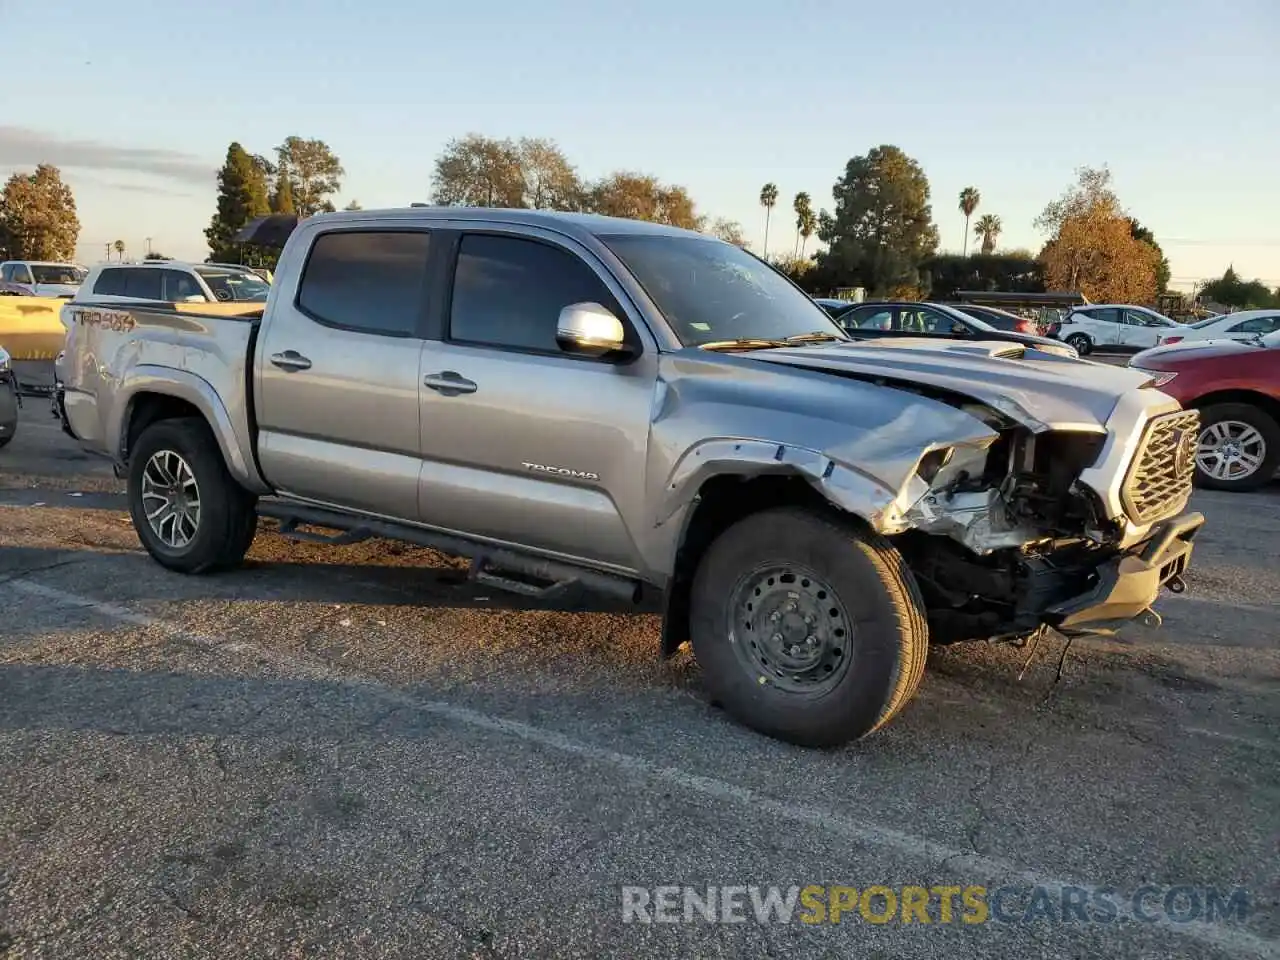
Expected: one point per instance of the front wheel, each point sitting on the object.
(188, 511)
(1083, 345)
(807, 629)
(1239, 447)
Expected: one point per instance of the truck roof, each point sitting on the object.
(569, 223)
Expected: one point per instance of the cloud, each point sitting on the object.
(153, 189)
(24, 147)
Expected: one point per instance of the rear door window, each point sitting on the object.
(370, 281)
(143, 284)
(110, 283)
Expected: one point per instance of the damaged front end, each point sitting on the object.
(1005, 537)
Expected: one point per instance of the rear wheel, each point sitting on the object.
(806, 629)
(1082, 343)
(1239, 447)
(188, 511)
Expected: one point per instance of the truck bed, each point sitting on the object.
(116, 353)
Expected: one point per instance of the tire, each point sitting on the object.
(1231, 422)
(849, 691)
(1082, 343)
(225, 520)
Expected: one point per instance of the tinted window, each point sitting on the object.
(22, 273)
(366, 280)
(509, 292)
(923, 321)
(869, 318)
(110, 283)
(178, 286)
(1262, 325)
(1107, 314)
(6, 273)
(143, 284)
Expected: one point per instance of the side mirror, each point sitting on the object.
(590, 330)
(196, 298)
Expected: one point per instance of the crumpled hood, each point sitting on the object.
(1041, 391)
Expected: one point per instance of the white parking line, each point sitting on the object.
(1237, 941)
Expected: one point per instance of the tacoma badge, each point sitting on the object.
(560, 471)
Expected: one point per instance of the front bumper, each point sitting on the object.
(1127, 585)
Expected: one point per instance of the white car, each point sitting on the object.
(1119, 328)
(1244, 326)
(171, 281)
(38, 278)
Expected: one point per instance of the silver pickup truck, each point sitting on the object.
(583, 402)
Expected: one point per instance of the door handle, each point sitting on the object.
(449, 383)
(291, 360)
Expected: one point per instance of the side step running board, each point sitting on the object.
(493, 566)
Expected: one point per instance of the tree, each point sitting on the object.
(477, 171)
(550, 182)
(118, 247)
(969, 200)
(38, 216)
(882, 228)
(353, 205)
(1230, 291)
(282, 196)
(156, 255)
(768, 199)
(729, 231)
(1015, 271)
(314, 174)
(242, 195)
(803, 208)
(1092, 249)
(638, 196)
(1162, 267)
(988, 228)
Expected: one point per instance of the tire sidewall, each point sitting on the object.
(852, 706)
(1082, 343)
(192, 441)
(1260, 421)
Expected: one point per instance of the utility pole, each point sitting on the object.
(108, 253)
(148, 246)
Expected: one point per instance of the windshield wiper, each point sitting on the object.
(815, 336)
(746, 343)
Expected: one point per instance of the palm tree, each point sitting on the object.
(804, 209)
(969, 200)
(768, 197)
(808, 224)
(118, 246)
(988, 228)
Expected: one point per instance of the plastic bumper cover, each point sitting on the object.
(1127, 585)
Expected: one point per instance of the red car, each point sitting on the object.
(1236, 388)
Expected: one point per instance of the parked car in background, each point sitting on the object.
(1245, 325)
(1000, 319)
(833, 307)
(9, 402)
(170, 281)
(38, 278)
(578, 401)
(908, 318)
(1236, 387)
(1117, 328)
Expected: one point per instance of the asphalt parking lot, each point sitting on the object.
(347, 752)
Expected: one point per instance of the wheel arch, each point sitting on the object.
(1253, 398)
(721, 500)
(155, 394)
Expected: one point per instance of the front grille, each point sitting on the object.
(1159, 479)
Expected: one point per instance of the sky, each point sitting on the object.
(1180, 99)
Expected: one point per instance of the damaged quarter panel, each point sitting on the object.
(856, 443)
